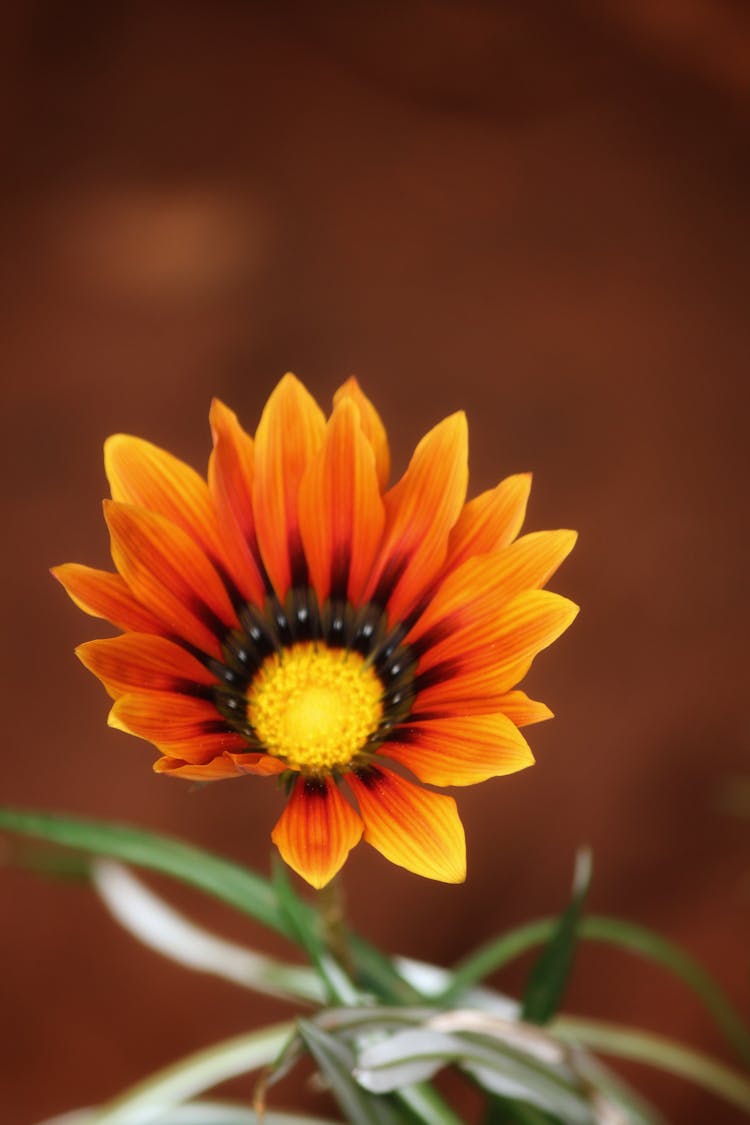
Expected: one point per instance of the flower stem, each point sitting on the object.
(333, 922)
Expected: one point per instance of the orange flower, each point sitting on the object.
(295, 616)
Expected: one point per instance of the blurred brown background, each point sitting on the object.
(534, 211)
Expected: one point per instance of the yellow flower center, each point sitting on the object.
(315, 707)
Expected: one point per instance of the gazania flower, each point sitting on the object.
(295, 616)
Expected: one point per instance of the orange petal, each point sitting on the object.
(490, 521)
(143, 662)
(470, 598)
(264, 765)
(233, 468)
(170, 574)
(411, 826)
(230, 482)
(317, 830)
(291, 430)
(341, 513)
(420, 512)
(145, 476)
(473, 690)
(460, 751)
(181, 726)
(471, 694)
(521, 710)
(522, 628)
(102, 594)
(373, 428)
(224, 766)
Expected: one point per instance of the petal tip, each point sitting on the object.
(218, 411)
(317, 882)
(111, 443)
(565, 540)
(316, 831)
(455, 430)
(520, 480)
(117, 448)
(569, 611)
(289, 383)
(455, 875)
(114, 720)
(351, 383)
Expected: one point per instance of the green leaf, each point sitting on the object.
(647, 944)
(498, 1021)
(622, 935)
(368, 1019)
(304, 927)
(221, 878)
(423, 1102)
(51, 862)
(203, 1113)
(657, 1051)
(418, 1053)
(199, 1071)
(427, 1105)
(507, 1111)
(376, 973)
(549, 976)
(336, 1062)
(493, 955)
(600, 1077)
(161, 927)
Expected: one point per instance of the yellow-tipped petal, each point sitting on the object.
(411, 826)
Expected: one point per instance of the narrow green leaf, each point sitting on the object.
(203, 1113)
(421, 1100)
(336, 1062)
(600, 1077)
(508, 1111)
(305, 927)
(418, 1053)
(221, 878)
(493, 955)
(494, 1112)
(622, 935)
(549, 975)
(432, 982)
(50, 861)
(378, 974)
(427, 1105)
(199, 1071)
(161, 927)
(366, 1019)
(657, 1051)
(647, 944)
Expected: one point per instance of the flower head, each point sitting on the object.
(295, 616)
